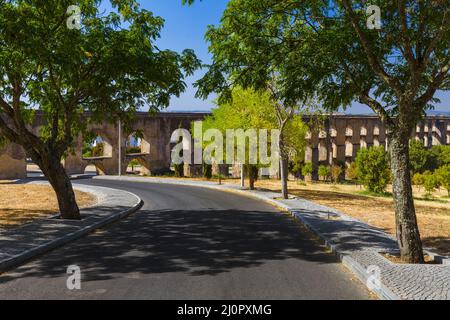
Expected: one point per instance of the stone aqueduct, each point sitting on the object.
(337, 141)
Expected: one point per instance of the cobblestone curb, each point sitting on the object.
(355, 243)
(42, 235)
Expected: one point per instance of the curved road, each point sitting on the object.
(189, 243)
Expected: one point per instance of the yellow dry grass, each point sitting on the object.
(20, 204)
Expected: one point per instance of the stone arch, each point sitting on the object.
(97, 147)
(136, 143)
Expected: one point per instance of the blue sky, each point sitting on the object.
(185, 28)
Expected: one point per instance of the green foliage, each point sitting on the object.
(295, 166)
(423, 159)
(110, 68)
(323, 49)
(324, 172)
(133, 163)
(373, 168)
(419, 157)
(430, 182)
(441, 155)
(133, 150)
(352, 171)
(418, 179)
(443, 176)
(251, 109)
(307, 169)
(94, 151)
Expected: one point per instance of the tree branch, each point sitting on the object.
(373, 61)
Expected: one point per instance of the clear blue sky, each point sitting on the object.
(185, 28)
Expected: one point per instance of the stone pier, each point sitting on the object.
(336, 141)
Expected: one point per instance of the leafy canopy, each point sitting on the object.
(109, 68)
(324, 49)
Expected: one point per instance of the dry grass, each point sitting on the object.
(20, 204)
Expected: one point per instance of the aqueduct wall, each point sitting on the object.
(338, 141)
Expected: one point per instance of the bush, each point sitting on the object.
(418, 179)
(431, 182)
(307, 169)
(295, 167)
(336, 172)
(133, 150)
(373, 168)
(419, 157)
(324, 172)
(443, 176)
(352, 172)
(441, 155)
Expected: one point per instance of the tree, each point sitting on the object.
(335, 173)
(373, 168)
(430, 182)
(108, 67)
(419, 157)
(250, 109)
(443, 175)
(307, 169)
(324, 172)
(325, 47)
(352, 171)
(440, 155)
(418, 180)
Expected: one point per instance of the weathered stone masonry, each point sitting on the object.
(338, 141)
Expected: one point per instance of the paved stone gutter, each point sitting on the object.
(357, 245)
(21, 244)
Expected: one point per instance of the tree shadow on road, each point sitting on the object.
(198, 242)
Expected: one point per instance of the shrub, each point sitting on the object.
(441, 155)
(430, 182)
(336, 172)
(307, 169)
(373, 168)
(133, 150)
(443, 176)
(133, 163)
(418, 179)
(324, 172)
(295, 167)
(419, 157)
(352, 171)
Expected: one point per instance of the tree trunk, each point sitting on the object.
(407, 230)
(284, 162)
(242, 176)
(54, 171)
(251, 181)
(252, 175)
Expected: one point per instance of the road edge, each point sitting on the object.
(14, 261)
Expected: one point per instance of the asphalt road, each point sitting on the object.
(189, 243)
